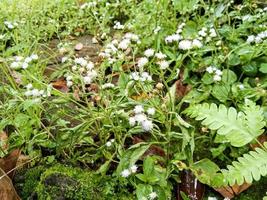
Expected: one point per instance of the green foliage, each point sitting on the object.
(249, 167)
(239, 128)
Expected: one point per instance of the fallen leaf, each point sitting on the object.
(7, 190)
(261, 139)
(181, 89)
(232, 191)
(78, 46)
(4, 139)
(60, 85)
(9, 162)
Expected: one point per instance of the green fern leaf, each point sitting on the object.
(239, 128)
(249, 167)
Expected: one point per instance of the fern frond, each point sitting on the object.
(239, 128)
(249, 167)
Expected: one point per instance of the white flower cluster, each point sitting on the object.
(127, 172)
(207, 34)
(109, 143)
(10, 25)
(140, 118)
(216, 72)
(184, 44)
(69, 81)
(214, 198)
(163, 64)
(175, 37)
(118, 26)
(20, 62)
(89, 5)
(143, 76)
(85, 68)
(257, 38)
(33, 92)
(117, 49)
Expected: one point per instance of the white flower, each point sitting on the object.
(213, 33)
(173, 38)
(241, 87)
(151, 111)
(112, 140)
(145, 77)
(258, 39)
(217, 77)
(15, 65)
(68, 78)
(226, 198)
(90, 65)
(160, 55)
(209, 69)
(28, 59)
(34, 57)
(149, 52)
(251, 39)
(131, 36)
(147, 125)
(28, 93)
(202, 33)
(152, 195)
(64, 59)
(108, 144)
(108, 85)
(29, 86)
(69, 83)
(142, 62)
(196, 43)
(163, 64)
(185, 45)
(140, 118)
(25, 65)
(118, 26)
(212, 198)
(218, 72)
(18, 58)
(125, 173)
(133, 168)
(135, 76)
(138, 109)
(87, 79)
(132, 121)
(35, 92)
(92, 74)
(80, 61)
(124, 44)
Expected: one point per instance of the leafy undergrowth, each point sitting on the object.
(127, 96)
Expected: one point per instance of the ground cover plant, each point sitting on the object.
(149, 99)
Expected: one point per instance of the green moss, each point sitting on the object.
(61, 182)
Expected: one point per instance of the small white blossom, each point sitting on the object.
(213, 33)
(152, 196)
(108, 85)
(135, 76)
(160, 55)
(217, 77)
(138, 109)
(132, 121)
(209, 69)
(133, 168)
(90, 65)
(108, 144)
(241, 87)
(151, 111)
(173, 38)
(28, 60)
(25, 65)
(87, 79)
(157, 29)
(212, 198)
(218, 72)
(140, 118)
(196, 43)
(124, 44)
(163, 64)
(34, 57)
(142, 62)
(147, 125)
(149, 52)
(15, 65)
(185, 45)
(29, 86)
(125, 173)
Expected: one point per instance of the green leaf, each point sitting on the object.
(263, 68)
(143, 191)
(184, 6)
(249, 167)
(229, 77)
(207, 172)
(238, 127)
(130, 156)
(221, 92)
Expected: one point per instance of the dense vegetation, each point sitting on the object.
(123, 99)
